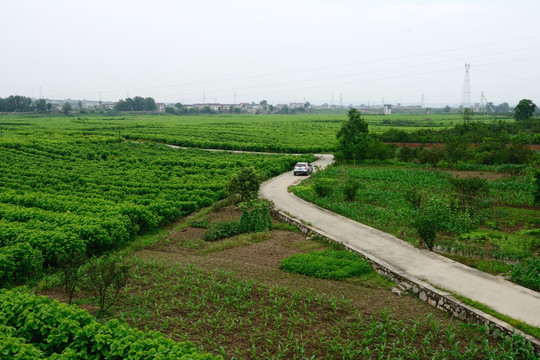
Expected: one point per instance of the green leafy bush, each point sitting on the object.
(350, 189)
(19, 263)
(527, 273)
(35, 327)
(203, 224)
(222, 230)
(334, 265)
(255, 216)
(105, 277)
(322, 188)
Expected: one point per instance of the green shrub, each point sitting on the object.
(322, 188)
(470, 191)
(407, 154)
(350, 189)
(334, 265)
(429, 220)
(414, 197)
(35, 327)
(203, 224)
(527, 273)
(19, 263)
(71, 274)
(104, 278)
(222, 230)
(255, 216)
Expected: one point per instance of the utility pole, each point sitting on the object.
(119, 140)
(466, 93)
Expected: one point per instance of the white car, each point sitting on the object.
(303, 168)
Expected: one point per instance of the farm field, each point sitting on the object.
(502, 229)
(274, 133)
(67, 196)
(96, 184)
(231, 298)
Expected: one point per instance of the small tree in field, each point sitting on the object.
(67, 108)
(467, 115)
(353, 138)
(426, 226)
(524, 110)
(70, 273)
(106, 276)
(245, 182)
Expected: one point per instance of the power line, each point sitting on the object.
(329, 67)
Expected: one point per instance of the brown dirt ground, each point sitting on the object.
(260, 262)
(481, 174)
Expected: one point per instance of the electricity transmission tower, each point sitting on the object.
(466, 93)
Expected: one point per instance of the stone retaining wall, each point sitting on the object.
(437, 298)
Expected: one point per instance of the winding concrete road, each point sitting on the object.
(502, 296)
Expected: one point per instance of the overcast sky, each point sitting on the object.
(279, 50)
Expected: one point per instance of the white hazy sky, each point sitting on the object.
(278, 50)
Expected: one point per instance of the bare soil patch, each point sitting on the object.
(481, 174)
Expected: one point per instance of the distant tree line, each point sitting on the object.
(264, 108)
(17, 103)
(495, 143)
(137, 103)
(526, 126)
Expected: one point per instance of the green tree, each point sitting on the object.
(70, 273)
(524, 110)
(353, 137)
(67, 108)
(245, 182)
(467, 115)
(502, 108)
(105, 278)
(41, 106)
(150, 104)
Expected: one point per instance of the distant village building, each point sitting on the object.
(160, 107)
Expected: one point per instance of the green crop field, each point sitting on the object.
(497, 233)
(274, 133)
(93, 184)
(69, 194)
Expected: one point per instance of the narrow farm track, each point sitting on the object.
(505, 297)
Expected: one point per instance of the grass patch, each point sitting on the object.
(334, 265)
(372, 280)
(493, 267)
(286, 226)
(235, 241)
